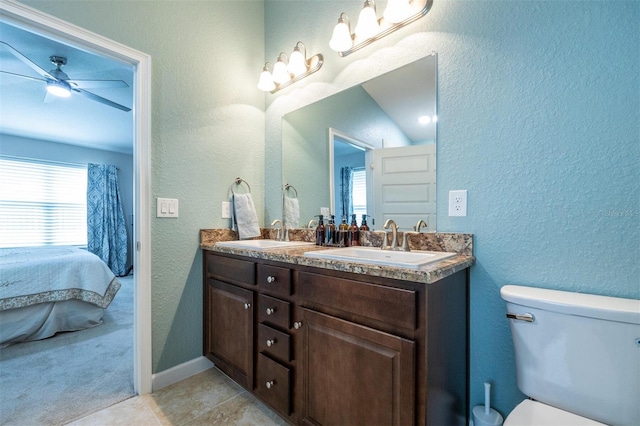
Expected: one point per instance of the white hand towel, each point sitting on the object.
(291, 212)
(245, 216)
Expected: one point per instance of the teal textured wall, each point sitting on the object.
(207, 129)
(539, 119)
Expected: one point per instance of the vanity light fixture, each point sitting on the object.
(369, 28)
(285, 74)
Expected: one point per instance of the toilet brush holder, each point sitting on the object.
(485, 415)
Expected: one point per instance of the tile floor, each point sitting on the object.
(208, 398)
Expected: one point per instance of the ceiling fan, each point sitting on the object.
(59, 83)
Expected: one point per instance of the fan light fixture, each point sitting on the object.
(369, 28)
(58, 88)
(296, 68)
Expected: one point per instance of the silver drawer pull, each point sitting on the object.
(271, 311)
(521, 317)
(247, 305)
(270, 384)
(271, 342)
(297, 325)
(271, 279)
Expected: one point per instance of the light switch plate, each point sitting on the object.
(226, 210)
(166, 207)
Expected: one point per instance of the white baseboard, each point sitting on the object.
(179, 372)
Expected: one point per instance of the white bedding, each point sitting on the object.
(44, 290)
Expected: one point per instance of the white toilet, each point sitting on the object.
(577, 357)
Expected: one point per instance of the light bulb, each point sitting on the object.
(397, 11)
(58, 88)
(280, 73)
(424, 119)
(266, 80)
(367, 26)
(341, 39)
(297, 64)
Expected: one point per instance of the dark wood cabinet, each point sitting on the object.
(355, 375)
(325, 347)
(229, 338)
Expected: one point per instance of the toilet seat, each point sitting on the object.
(530, 412)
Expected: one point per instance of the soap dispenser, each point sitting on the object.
(363, 225)
(343, 232)
(330, 231)
(354, 233)
(320, 231)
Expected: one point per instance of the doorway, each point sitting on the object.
(35, 21)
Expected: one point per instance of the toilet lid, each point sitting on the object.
(530, 412)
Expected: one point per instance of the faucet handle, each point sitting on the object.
(405, 241)
(385, 239)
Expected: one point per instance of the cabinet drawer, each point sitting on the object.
(274, 343)
(273, 384)
(230, 270)
(274, 311)
(381, 303)
(274, 279)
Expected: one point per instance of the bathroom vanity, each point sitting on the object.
(336, 343)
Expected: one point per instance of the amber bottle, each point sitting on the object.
(320, 231)
(354, 233)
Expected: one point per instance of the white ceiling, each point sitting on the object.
(76, 120)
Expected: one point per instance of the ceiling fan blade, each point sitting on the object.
(97, 84)
(100, 99)
(23, 76)
(27, 61)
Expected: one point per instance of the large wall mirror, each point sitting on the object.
(368, 149)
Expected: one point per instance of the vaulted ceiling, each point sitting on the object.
(77, 120)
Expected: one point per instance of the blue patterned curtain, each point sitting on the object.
(106, 229)
(346, 191)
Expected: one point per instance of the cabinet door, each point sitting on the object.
(229, 341)
(355, 375)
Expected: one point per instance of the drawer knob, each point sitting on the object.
(270, 384)
(271, 342)
(297, 325)
(271, 311)
(247, 305)
(271, 279)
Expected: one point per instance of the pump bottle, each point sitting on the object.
(354, 233)
(320, 231)
(363, 225)
(330, 231)
(343, 232)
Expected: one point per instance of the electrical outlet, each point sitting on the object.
(226, 210)
(458, 203)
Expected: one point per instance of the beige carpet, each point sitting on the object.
(57, 380)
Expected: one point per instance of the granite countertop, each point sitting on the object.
(459, 243)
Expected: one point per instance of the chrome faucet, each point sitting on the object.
(419, 225)
(281, 236)
(312, 224)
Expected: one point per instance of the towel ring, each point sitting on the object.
(239, 181)
(288, 187)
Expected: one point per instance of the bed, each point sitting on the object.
(46, 290)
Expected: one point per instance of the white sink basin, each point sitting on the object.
(262, 244)
(374, 255)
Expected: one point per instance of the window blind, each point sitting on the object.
(359, 192)
(42, 203)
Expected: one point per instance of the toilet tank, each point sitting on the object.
(580, 352)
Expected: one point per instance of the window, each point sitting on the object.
(359, 192)
(42, 203)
